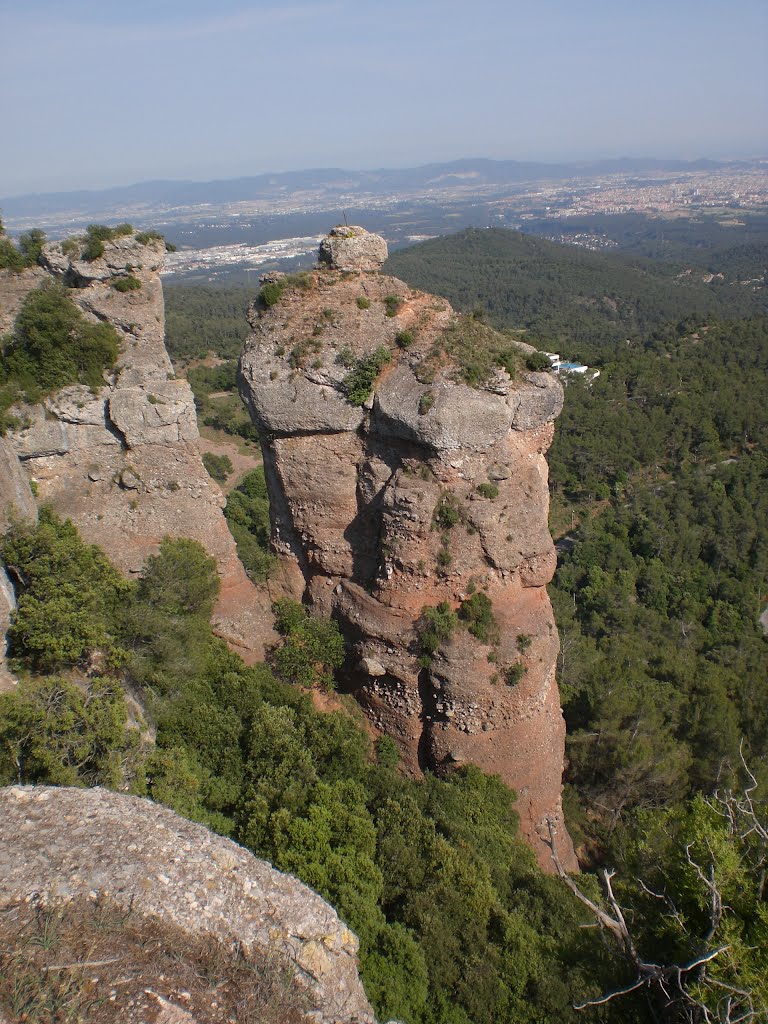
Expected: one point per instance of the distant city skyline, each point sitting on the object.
(99, 95)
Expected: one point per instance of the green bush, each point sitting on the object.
(270, 293)
(56, 733)
(363, 303)
(95, 237)
(312, 647)
(53, 345)
(477, 613)
(358, 385)
(426, 401)
(145, 237)
(126, 284)
(476, 349)
(538, 361)
(436, 624)
(181, 579)
(403, 339)
(447, 512)
(392, 304)
(443, 558)
(218, 467)
(71, 247)
(488, 490)
(10, 257)
(514, 673)
(68, 594)
(31, 245)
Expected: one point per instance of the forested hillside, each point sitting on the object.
(568, 300)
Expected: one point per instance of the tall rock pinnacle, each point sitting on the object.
(122, 462)
(404, 448)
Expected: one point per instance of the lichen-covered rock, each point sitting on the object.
(61, 843)
(423, 492)
(123, 463)
(350, 248)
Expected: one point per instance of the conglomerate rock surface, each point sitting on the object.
(428, 492)
(123, 463)
(57, 844)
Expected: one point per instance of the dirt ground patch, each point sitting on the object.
(94, 962)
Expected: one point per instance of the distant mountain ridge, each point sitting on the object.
(333, 181)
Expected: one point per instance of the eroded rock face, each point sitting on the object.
(61, 843)
(427, 492)
(123, 463)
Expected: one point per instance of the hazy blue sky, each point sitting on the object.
(98, 92)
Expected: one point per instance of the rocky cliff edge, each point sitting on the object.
(58, 845)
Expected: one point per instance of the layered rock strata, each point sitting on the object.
(123, 462)
(58, 844)
(428, 492)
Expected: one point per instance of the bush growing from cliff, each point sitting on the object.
(538, 361)
(56, 733)
(129, 283)
(53, 345)
(95, 237)
(435, 625)
(270, 293)
(68, 595)
(477, 614)
(358, 384)
(26, 254)
(10, 257)
(145, 237)
(476, 349)
(447, 512)
(181, 579)
(392, 304)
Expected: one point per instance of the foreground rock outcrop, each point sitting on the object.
(61, 844)
(425, 490)
(123, 463)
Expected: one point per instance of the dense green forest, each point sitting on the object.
(456, 922)
(658, 473)
(201, 319)
(568, 300)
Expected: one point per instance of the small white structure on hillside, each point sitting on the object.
(560, 366)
